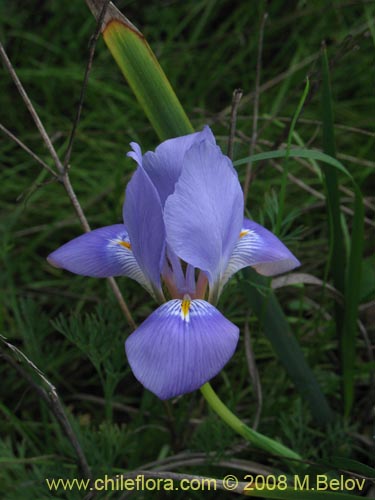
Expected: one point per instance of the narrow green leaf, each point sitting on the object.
(336, 263)
(352, 297)
(297, 494)
(276, 328)
(352, 273)
(310, 154)
(143, 72)
(284, 178)
(337, 253)
(352, 466)
(293, 493)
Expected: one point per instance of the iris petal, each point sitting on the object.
(204, 216)
(101, 253)
(144, 219)
(165, 164)
(181, 346)
(259, 248)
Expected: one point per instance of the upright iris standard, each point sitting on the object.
(184, 235)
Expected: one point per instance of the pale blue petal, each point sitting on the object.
(101, 253)
(204, 216)
(165, 164)
(136, 154)
(144, 220)
(259, 248)
(173, 353)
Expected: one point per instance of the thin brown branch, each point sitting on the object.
(31, 109)
(314, 192)
(120, 299)
(310, 121)
(28, 150)
(92, 47)
(312, 58)
(256, 107)
(274, 81)
(64, 176)
(237, 95)
(76, 204)
(50, 397)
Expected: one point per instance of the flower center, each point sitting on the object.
(185, 307)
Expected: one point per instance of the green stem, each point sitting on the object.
(259, 440)
(286, 166)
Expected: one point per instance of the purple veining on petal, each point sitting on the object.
(179, 347)
(165, 164)
(259, 248)
(101, 253)
(144, 219)
(204, 215)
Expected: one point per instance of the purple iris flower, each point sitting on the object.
(185, 235)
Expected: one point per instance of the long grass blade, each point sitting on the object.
(352, 298)
(336, 263)
(293, 493)
(352, 273)
(346, 277)
(284, 178)
(266, 307)
(143, 73)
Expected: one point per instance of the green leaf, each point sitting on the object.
(352, 466)
(352, 273)
(143, 73)
(309, 154)
(336, 262)
(294, 493)
(266, 307)
(337, 251)
(352, 297)
(368, 279)
(284, 178)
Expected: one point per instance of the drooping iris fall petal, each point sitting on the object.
(259, 248)
(181, 346)
(204, 215)
(101, 253)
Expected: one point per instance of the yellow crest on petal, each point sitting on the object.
(125, 244)
(185, 307)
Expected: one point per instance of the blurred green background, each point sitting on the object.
(71, 326)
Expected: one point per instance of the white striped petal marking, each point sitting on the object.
(180, 346)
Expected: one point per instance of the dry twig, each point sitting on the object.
(50, 397)
(256, 106)
(237, 95)
(254, 374)
(63, 172)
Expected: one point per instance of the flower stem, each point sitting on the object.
(255, 438)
